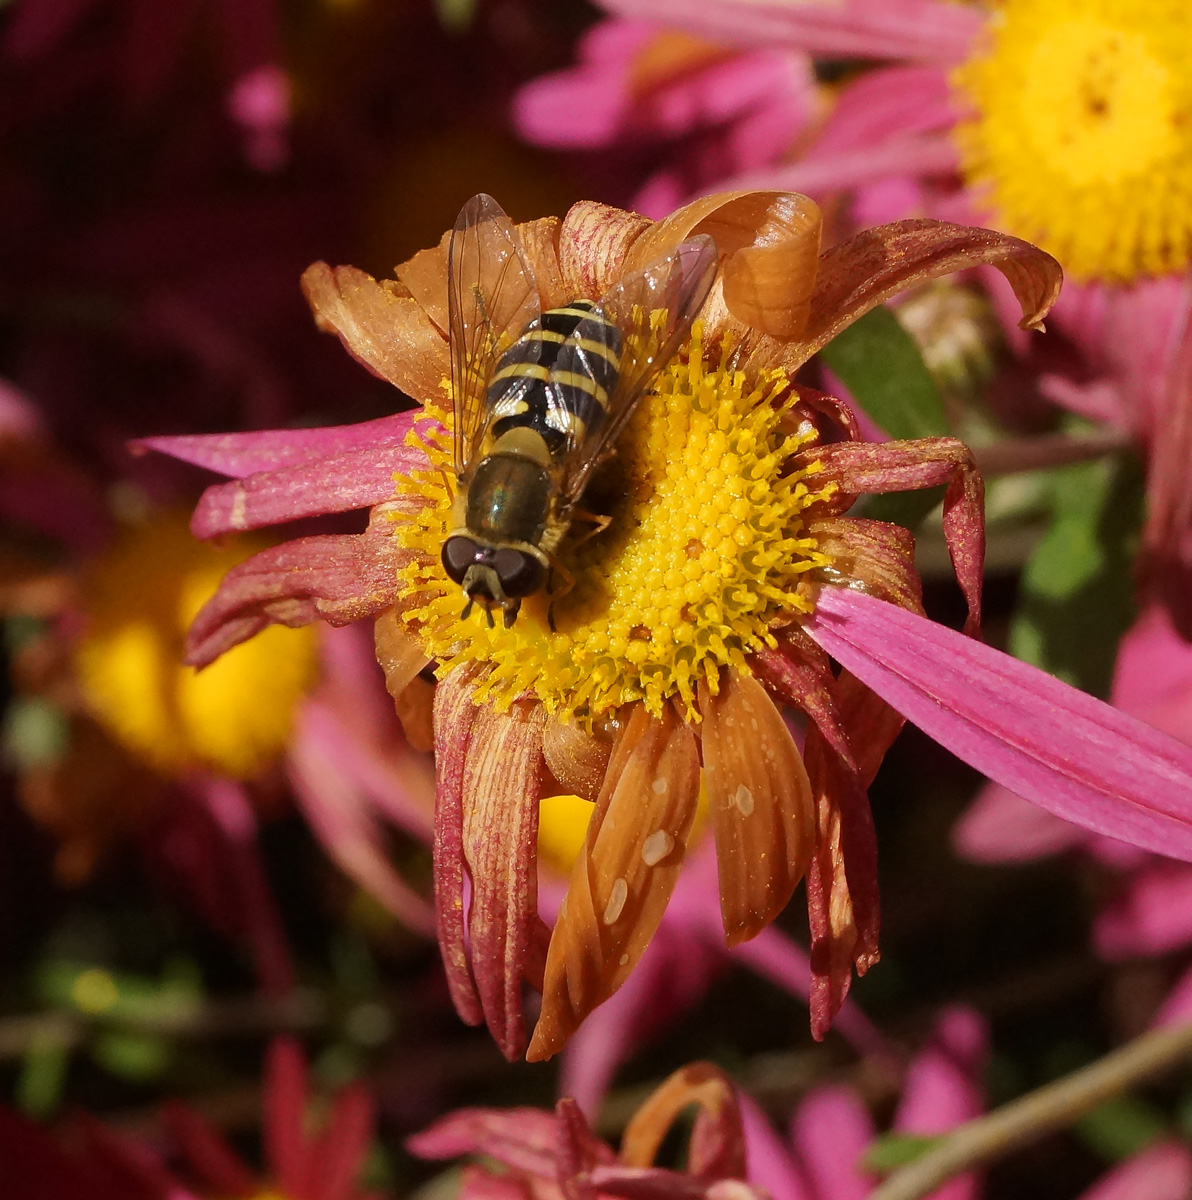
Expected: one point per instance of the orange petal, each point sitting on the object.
(387, 332)
(578, 760)
(593, 244)
(400, 655)
(425, 275)
(858, 274)
(624, 876)
(415, 711)
(769, 245)
(760, 801)
(717, 1147)
(540, 240)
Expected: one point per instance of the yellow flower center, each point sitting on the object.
(233, 716)
(705, 546)
(1081, 134)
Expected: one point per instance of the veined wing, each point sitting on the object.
(650, 312)
(491, 296)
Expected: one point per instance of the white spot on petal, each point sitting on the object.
(616, 900)
(660, 786)
(624, 959)
(656, 847)
(743, 799)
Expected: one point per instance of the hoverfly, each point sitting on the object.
(540, 397)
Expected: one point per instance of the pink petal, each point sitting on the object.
(1153, 676)
(1055, 746)
(525, 1139)
(770, 1163)
(921, 30)
(1001, 827)
(1152, 914)
(1177, 1008)
(358, 479)
(206, 1152)
(883, 103)
(340, 1150)
(830, 1130)
(1160, 1172)
(284, 1105)
(242, 454)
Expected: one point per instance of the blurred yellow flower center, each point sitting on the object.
(1081, 134)
(233, 716)
(705, 545)
(562, 827)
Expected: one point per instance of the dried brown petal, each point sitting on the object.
(769, 248)
(899, 466)
(593, 244)
(401, 656)
(578, 760)
(717, 1146)
(540, 239)
(415, 711)
(389, 333)
(858, 274)
(425, 277)
(500, 841)
(876, 555)
(760, 802)
(624, 875)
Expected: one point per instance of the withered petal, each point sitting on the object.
(878, 555)
(897, 466)
(578, 760)
(389, 333)
(717, 1146)
(337, 578)
(454, 716)
(400, 653)
(760, 803)
(769, 244)
(857, 274)
(594, 242)
(500, 844)
(624, 876)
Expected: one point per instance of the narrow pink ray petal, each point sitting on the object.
(1153, 676)
(1001, 827)
(205, 1150)
(1160, 1172)
(339, 1151)
(1055, 746)
(921, 30)
(655, 1183)
(284, 1105)
(525, 1139)
(769, 1159)
(1151, 915)
(343, 820)
(830, 1130)
(883, 103)
(358, 479)
(943, 1086)
(242, 454)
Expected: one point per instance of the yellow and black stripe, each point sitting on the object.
(558, 377)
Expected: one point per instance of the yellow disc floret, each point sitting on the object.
(1081, 131)
(705, 545)
(233, 716)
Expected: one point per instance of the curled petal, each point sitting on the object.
(242, 454)
(876, 555)
(540, 240)
(500, 841)
(625, 874)
(454, 716)
(594, 243)
(769, 248)
(425, 278)
(858, 274)
(760, 802)
(400, 655)
(899, 466)
(358, 479)
(336, 578)
(388, 332)
(578, 760)
(717, 1147)
(1055, 746)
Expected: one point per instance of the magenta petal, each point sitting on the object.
(1055, 746)
(831, 1129)
(241, 454)
(1160, 1172)
(358, 479)
(1151, 915)
(1000, 827)
(770, 1162)
(525, 1139)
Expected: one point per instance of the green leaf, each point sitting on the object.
(133, 1056)
(43, 1074)
(1121, 1127)
(36, 733)
(882, 367)
(894, 1150)
(1076, 595)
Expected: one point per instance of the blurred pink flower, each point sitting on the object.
(711, 111)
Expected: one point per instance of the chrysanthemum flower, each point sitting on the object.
(728, 575)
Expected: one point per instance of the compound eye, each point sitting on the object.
(459, 553)
(521, 574)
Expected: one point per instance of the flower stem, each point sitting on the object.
(1038, 1113)
(1012, 456)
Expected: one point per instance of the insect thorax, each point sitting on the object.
(557, 377)
(509, 499)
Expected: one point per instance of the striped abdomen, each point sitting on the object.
(558, 377)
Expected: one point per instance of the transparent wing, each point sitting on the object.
(653, 309)
(491, 297)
